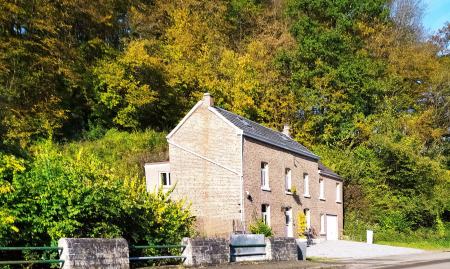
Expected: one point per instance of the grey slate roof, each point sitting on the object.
(262, 133)
(327, 171)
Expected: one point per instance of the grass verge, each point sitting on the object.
(425, 245)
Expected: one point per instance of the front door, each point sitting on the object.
(288, 215)
(332, 227)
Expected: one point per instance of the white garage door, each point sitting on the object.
(332, 227)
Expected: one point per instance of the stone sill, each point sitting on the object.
(288, 193)
(322, 199)
(265, 189)
(307, 196)
(339, 202)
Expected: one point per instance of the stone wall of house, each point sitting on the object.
(206, 251)
(281, 248)
(214, 190)
(80, 253)
(278, 160)
(330, 206)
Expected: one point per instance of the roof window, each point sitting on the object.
(283, 136)
(245, 123)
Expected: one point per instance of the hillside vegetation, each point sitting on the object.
(88, 89)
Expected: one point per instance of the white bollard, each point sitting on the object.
(369, 236)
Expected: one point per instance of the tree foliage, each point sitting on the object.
(354, 78)
(78, 195)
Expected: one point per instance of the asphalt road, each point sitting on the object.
(428, 259)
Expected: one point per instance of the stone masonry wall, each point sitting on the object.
(215, 192)
(94, 253)
(278, 160)
(206, 251)
(281, 248)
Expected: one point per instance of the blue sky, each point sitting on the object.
(438, 12)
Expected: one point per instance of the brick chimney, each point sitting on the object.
(286, 130)
(208, 99)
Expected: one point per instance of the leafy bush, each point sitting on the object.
(261, 228)
(294, 190)
(79, 196)
(301, 224)
(423, 238)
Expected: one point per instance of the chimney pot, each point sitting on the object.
(286, 130)
(208, 99)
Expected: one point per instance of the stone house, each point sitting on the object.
(234, 170)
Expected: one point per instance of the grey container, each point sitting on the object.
(238, 254)
(301, 250)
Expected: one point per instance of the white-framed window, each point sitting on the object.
(338, 192)
(287, 179)
(321, 189)
(322, 224)
(165, 179)
(308, 218)
(264, 175)
(266, 213)
(306, 185)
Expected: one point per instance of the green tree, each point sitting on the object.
(331, 74)
(64, 196)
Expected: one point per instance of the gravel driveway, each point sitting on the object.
(356, 250)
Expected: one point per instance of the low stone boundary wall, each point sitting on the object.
(81, 253)
(206, 251)
(281, 248)
(212, 251)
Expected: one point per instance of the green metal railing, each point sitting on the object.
(30, 261)
(156, 257)
(248, 245)
(234, 253)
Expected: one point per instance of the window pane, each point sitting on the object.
(262, 178)
(306, 184)
(165, 179)
(337, 192)
(321, 185)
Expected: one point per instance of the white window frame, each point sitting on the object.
(322, 224)
(321, 189)
(306, 185)
(168, 177)
(288, 180)
(265, 176)
(307, 213)
(266, 215)
(338, 193)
